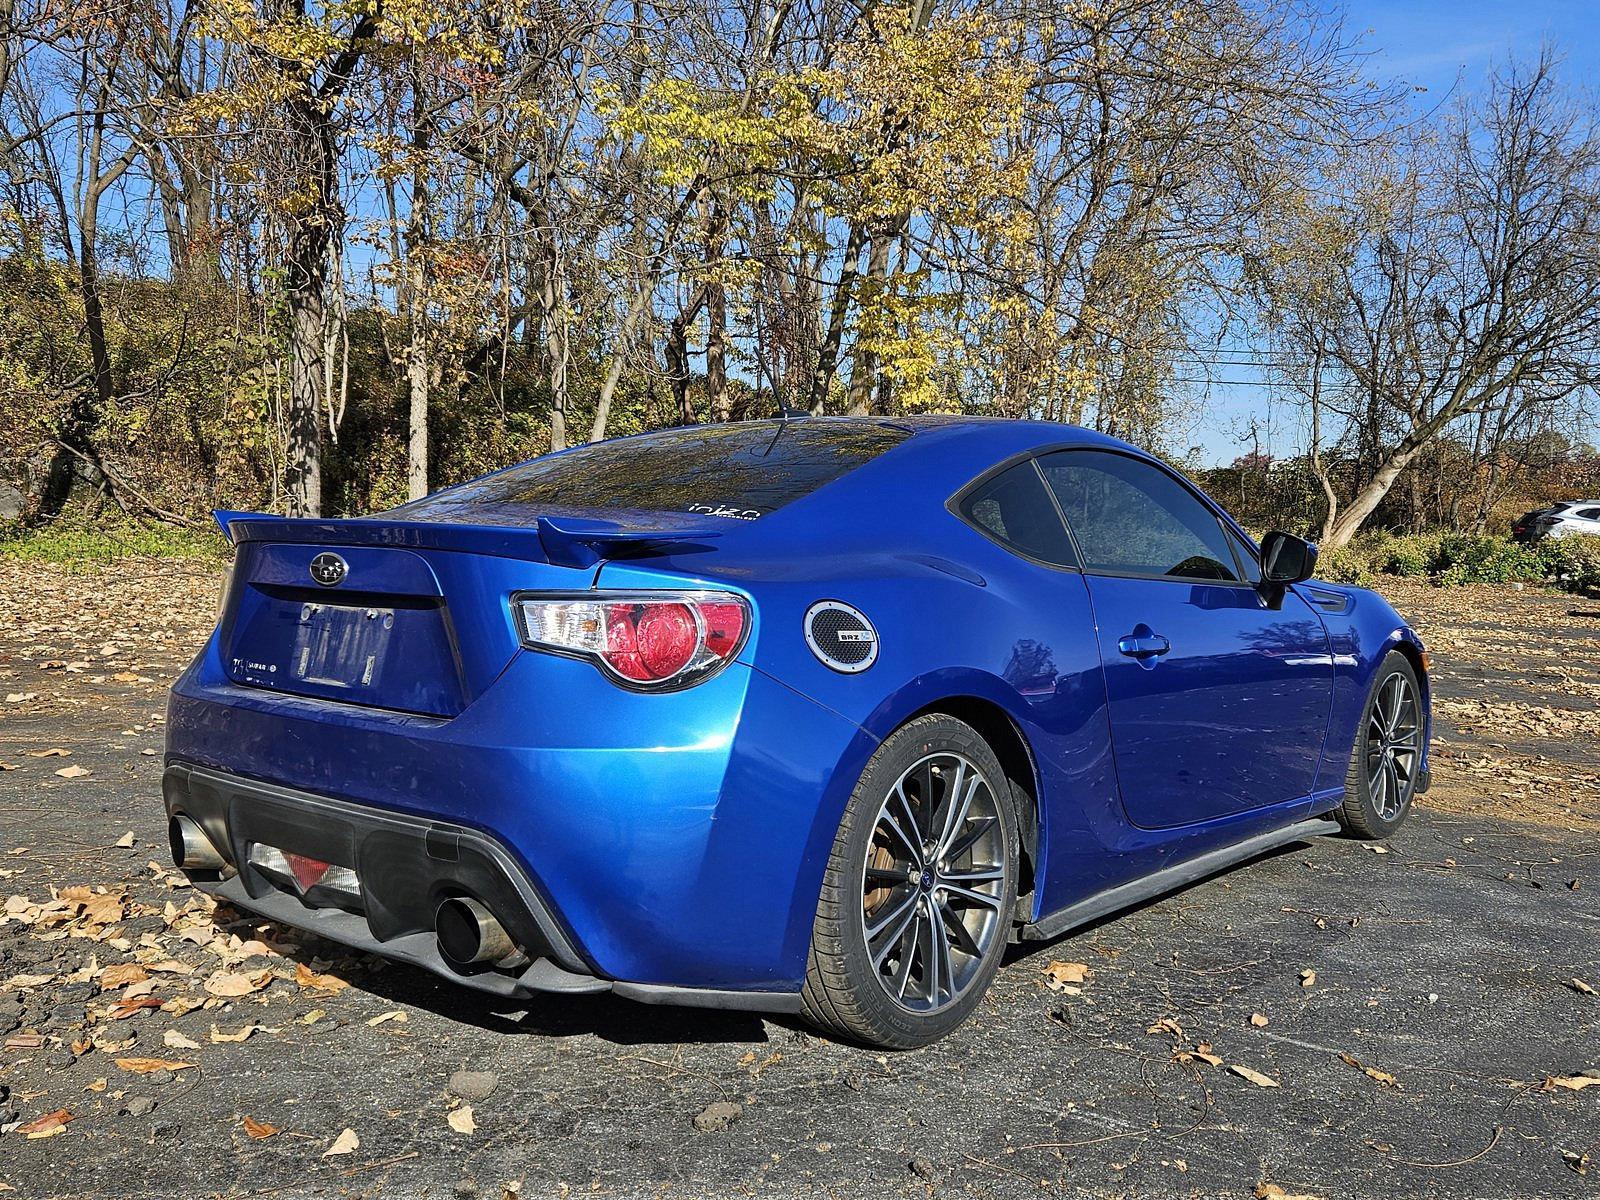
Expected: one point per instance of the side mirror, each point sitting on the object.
(1285, 559)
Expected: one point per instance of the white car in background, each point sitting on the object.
(1568, 518)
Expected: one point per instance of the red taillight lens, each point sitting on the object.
(647, 640)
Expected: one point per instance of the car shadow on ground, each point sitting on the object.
(1022, 951)
(605, 1016)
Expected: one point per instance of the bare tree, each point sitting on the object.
(1454, 279)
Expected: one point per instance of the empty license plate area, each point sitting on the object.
(341, 647)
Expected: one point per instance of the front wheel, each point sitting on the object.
(1386, 763)
(917, 899)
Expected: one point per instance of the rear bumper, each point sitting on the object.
(407, 865)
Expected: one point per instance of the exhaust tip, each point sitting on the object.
(469, 935)
(191, 848)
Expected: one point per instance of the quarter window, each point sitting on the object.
(1015, 509)
(1132, 518)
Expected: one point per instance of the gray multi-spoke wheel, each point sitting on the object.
(916, 904)
(1385, 766)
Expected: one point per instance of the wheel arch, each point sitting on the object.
(1000, 728)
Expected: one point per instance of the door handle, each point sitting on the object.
(1144, 644)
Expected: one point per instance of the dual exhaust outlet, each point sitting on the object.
(469, 935)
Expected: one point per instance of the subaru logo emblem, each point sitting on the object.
(329, 569)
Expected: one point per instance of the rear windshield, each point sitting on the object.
(740, 471)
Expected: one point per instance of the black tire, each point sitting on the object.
(1377, 801)
(846, 992)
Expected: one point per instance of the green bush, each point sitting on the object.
(1572, 563)
(1453, 559)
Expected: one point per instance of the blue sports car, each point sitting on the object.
(812, 715)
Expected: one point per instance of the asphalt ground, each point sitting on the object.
(1436, 1049)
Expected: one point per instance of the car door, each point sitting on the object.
(1218, 701)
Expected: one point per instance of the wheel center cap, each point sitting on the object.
(927, 881)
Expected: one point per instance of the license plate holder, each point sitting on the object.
(340, 646)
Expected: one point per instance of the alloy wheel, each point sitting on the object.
(933, 884)
(1394, 735)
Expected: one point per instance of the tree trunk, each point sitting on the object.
(1361, 506)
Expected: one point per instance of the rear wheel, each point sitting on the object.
(1386, 763)
(917, 899)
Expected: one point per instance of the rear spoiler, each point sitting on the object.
(562, 541)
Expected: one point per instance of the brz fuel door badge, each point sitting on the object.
(841, 636)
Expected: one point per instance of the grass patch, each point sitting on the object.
(96, 545)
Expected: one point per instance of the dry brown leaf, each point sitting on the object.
(309, 979)
(1382, 1077)
(1260, 1020)
(259, 1129)
(121, 975)
(99, 1085)
(123, 1009)
(392, 1015)
(125, 842)
(25, 1041)
(346, 1143)
(239, 1035)
(1308, 977)
(53, 752)
(1057, 973)
(1255, 1077)
(1573, 1083)
(461, 1121)
(174, 1040)
(48, 1125)
(1271, 1191)
(1166, 1025)
(1580, 986)
(73, 772)
(144, 1066)
(232, 984)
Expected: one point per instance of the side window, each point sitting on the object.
(1132, 518)
(1015, 509)
(1590, 514)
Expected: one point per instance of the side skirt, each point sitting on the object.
(1170, 879)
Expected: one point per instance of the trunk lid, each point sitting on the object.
(409, 616)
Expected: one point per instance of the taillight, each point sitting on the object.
(650, 640)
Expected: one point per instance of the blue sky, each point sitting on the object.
(1438, 45)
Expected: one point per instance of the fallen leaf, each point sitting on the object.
(121, 975)
(25, 1041)
(1574, 1083)
(1166, 1025)
(1058, 973)
(1307, 977)
(346, 1143)
(259, 1129)
(145, 1066)
(239, 1035)
(461, 1119)
(99, 1085)
(1260, 1020)
(307, 978)
(1382, 1077)
(48, 1125)
(176, 1041)
(1271, 1191)
(53, 752)
(125, 842)
(1579, 985)
(73, 772)
(123, 1009)
(392, 1015)
(234, 984)
(1255, 1077)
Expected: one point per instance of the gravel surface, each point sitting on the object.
(1420, 1007)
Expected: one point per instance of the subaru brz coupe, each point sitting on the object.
(810, 715)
